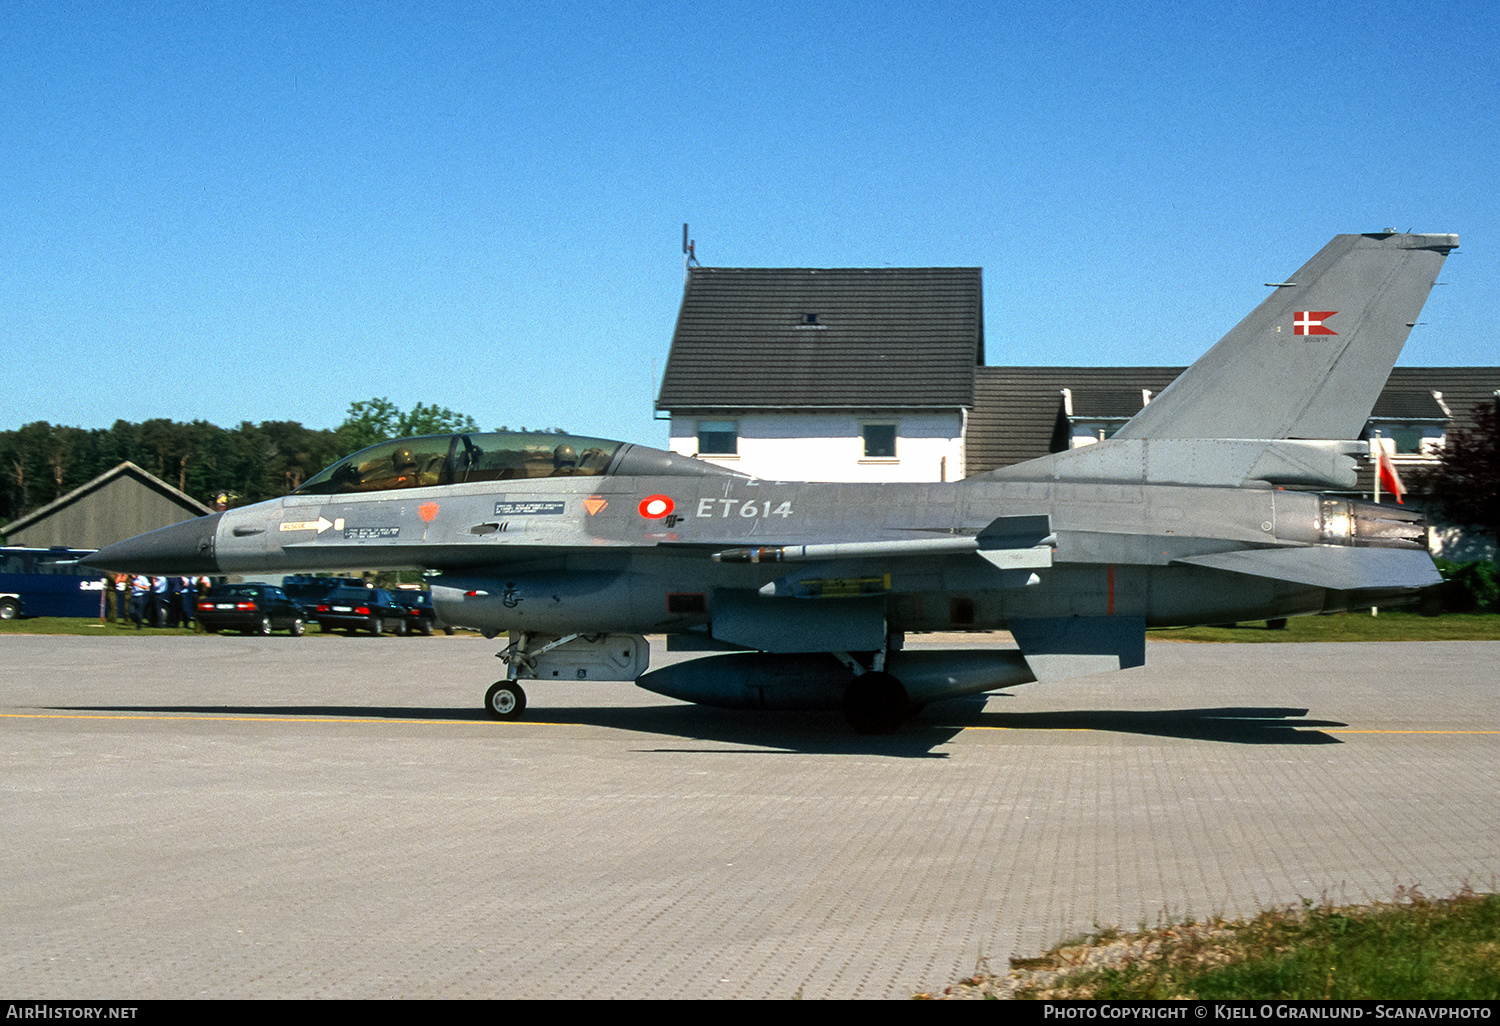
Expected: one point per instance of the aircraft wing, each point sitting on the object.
(1336, 567)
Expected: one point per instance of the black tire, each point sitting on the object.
(400, 630)
(448, 631)
(505, 700)
(426, 628)
(10, 609)
(377, 626)
(876, 703)
(298, 627)
(265, 626)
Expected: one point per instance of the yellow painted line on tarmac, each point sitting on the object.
(984, 726)
(248, 719)
(489, 722)
(1263, 725)
(1327, 730)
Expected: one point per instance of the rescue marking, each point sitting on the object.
(595, 503)
(320, 525)
(427, 511)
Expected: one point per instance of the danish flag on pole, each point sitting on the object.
(1389, 479)
(1310, 322)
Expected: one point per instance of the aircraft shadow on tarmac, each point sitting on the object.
(1236, 725)
(804, 732)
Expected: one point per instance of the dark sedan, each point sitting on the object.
(420, 616)
(361, 609)
(250, 609)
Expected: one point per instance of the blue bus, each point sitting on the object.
(48, 582)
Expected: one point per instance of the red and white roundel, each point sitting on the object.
(654, 507)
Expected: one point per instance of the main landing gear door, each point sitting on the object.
(580, 657)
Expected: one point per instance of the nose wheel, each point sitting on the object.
(505, 700)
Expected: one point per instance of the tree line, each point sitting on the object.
(40, 462)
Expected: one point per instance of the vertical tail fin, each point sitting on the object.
(1310, 361)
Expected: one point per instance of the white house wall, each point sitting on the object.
(830, 446)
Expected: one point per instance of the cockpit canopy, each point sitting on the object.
(496, 456)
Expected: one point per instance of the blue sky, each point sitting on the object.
(266, 211)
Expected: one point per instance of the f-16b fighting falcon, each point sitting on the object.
(1202, 509)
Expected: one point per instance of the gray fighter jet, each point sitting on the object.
(800, 594)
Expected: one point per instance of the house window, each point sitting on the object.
(718, 437)
(880, 441)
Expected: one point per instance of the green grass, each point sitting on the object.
(79, 625)
(1413, 948)
(122, 628)
(1388, 626)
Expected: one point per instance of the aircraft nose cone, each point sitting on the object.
(185, 548)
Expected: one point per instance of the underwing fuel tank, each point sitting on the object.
(765, 680)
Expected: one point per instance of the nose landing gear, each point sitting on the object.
(505, 700)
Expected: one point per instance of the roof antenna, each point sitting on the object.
(690, 260)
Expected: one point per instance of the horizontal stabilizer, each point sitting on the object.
(1309, 361)
(1018, 543)
(1060, 647)
(1336, 567)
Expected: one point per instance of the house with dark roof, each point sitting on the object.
(842, 374)
(1021, 413)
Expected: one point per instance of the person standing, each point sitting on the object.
(140, 590)
(186, 597)
(158, 601)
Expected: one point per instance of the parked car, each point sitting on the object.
(421, 617)
(307, 590)
(361, 609)
(250, 609)
(48, 582)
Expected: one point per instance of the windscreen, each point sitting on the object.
(460, 459)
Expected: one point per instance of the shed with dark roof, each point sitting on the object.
(118, 504)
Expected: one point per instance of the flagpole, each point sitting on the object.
(1375, 455)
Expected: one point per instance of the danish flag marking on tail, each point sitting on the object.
(1310, 322)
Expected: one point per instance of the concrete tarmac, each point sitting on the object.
(336, 817)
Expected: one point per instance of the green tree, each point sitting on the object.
(435, 420)
(1465, 486)
(40, 461)
(378, 419)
